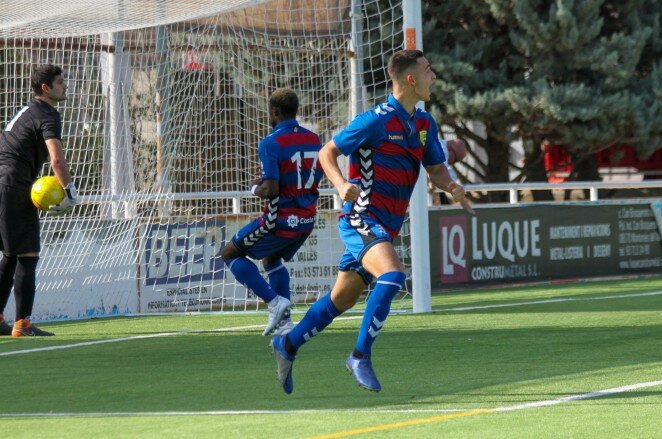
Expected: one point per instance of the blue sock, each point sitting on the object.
(279, 279)
(318, 317)
(247, 273)
(377, 309)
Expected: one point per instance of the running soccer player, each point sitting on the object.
(386, 147)
(289, 178)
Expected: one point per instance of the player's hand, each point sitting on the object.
(457, 150)
(456, 191)
(466, 205)
(65, 207)
(349, 191)
(459, 196)
(68, 203)
(254, 185)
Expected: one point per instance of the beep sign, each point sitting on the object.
(183, 252)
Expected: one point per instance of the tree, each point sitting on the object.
(582, 73)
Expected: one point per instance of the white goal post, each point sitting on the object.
(418, 207)
(167, 104)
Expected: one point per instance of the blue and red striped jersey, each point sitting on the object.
(289, 154)
(386, 147)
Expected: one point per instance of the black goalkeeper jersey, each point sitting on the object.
(23, 148)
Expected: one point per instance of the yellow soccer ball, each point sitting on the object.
(46, 192)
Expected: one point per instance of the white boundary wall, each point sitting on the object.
(164, 255)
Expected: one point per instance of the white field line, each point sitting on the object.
(530, 405)
(116, 340)
(478, 412)
(571, 398)
(220, 413)
(539, 302)
(249, 327)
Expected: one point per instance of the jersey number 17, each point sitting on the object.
(298, 158)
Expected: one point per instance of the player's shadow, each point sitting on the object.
(423, 367)
(419, 366)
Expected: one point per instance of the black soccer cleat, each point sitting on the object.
(5, 329)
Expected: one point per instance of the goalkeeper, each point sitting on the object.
(386, 146)
(290, 174)
(30, 137)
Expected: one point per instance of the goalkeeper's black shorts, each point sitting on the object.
(19, 221)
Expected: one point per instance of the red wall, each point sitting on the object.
(558, 161)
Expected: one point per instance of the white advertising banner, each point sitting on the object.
(119, 267)
(86, 269)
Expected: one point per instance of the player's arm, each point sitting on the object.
(328, 157)
(58, 161)
(365, 129)
(267, 186)
(61, 170)
(435, 160)
(441, 178)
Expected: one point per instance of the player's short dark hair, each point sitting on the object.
(401, 61)
(286, 101)
(43, 74)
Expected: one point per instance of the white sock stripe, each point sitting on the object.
(280, 266)
(308, 335)
(389, 283)
(374, 333)
(232, 261)
(377, 323)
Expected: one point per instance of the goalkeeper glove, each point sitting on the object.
(68, 203)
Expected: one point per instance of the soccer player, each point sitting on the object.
(386, 147)
(290, 174)
(30, 137)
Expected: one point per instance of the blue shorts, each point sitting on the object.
(359, 234)
(256, 242)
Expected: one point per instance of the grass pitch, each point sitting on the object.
(455, 372)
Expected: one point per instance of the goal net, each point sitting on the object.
(167, 104)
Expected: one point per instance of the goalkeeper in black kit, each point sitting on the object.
(32, 136)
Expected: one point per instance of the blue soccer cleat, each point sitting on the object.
(361, 369)
(283, 362)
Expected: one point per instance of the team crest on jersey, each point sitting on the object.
(423, 136)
